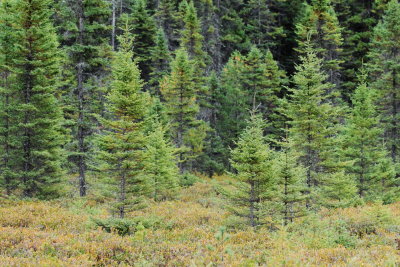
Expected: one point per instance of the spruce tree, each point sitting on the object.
(38, 116)
(263, 82)
(180, 91)
(166, 16)
(160, 163)
(160, 58)
(253, 161)
(339, 190)
(262, 23)
(312, 118)
(213, 159)
(357, 19)
(247, 82)
(291, 179)
(7, 89)
(191, 37)
(192, 41)
(233, 35)
(143, 28)
(84, 33)
(384, 68)
(211, 31)
(318, 23)
(232, 102)
(122, 142)
(363, 144)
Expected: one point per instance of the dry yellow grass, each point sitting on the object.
(62, 234)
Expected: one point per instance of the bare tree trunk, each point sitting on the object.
(81, 116)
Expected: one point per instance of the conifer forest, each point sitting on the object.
(200, 133)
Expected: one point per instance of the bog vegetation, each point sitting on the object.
(182, 132)
(194, 230)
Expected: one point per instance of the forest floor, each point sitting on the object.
(187, 232)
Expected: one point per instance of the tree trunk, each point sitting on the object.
(252, 201)
(27, 135)
(122, 198)
(81, 116)
(113, 24)
(6, 121)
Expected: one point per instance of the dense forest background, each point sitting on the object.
(298, 101)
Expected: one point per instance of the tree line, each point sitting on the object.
(297, 100)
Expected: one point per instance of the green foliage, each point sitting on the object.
(291, 178)
(180, 93)
(166, 15)
(125, 227)
(160, 58)
(312, 118)
(248, 82)
(263, 81)
(83, 30)
(191, 37)
(122, 142)
(188, 179)
(160, 163)
(357, 20)
(384, 67)
(143, 29)
(255, 174)
(36, 114)
(262, 25)
(319, 25)
(7, 127)
(339, 190)
(233, 35)
(231, 99)
(363, 145)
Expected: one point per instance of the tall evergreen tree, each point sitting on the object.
(211, 31)
(385, 72)
(191, 37)
(213, 159)
(318, 23)
(166, 17)
(262, 25)
(122, 143)
(357, 19)
(144, 30)
(232, 103)
(85, 35)
(313, 120)
(363, 144)
(37, 113)
(247, 82)
(160, 58)
(263, 82)
(7, 89)
(255, 174)
(192, 41)
(180, 92)
(233, 35)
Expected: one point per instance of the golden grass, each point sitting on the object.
(61, 233)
